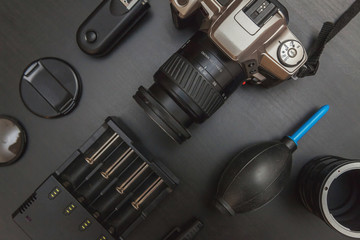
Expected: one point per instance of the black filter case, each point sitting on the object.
(63, 207)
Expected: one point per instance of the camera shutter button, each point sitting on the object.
(183, 2)
(291, 53)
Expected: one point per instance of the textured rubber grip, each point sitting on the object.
(193, 83)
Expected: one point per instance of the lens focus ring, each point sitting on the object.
(193, 83)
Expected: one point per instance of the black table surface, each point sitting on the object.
(32, 29)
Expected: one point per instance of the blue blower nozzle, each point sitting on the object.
(309, 124)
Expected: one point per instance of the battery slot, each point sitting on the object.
(102, 147)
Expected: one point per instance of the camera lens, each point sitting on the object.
(191, 85)
(330, 188)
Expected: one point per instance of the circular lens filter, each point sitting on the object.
(12, 140)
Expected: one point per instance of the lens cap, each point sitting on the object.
(12, 140)
(50, 88)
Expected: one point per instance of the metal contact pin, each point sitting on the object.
(117, 163)
(122, 188)
(102, 149)
(146, 194)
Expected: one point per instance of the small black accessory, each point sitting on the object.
(103, 191)
(329, 187)
(50, 88)
(188, 232)
(259, 173)
(110, 21)
(12, 140)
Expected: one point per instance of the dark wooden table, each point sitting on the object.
(32, 29)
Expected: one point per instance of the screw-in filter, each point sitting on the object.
(12, 140)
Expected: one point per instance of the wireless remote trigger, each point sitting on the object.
(110, 21)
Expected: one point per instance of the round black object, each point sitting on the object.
(190, 86)
(90, 36)
(12, 140)
(254, 177)
(50, 88)
(330, 188)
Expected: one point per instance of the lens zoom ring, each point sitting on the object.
(191, 81)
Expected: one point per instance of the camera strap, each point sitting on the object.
(328, 31)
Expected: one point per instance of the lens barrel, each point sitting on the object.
(191, 85)
(329, 187)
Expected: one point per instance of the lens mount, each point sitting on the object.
(335, 217)
(330, 188)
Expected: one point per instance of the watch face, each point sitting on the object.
(12, 140)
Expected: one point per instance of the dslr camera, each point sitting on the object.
(239, 41)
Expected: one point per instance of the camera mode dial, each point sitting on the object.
(291, 53)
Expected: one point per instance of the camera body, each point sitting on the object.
(239, 41)
(253, 33)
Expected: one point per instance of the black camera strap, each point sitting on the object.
(328, 31)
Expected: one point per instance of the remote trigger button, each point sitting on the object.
(90, 36)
